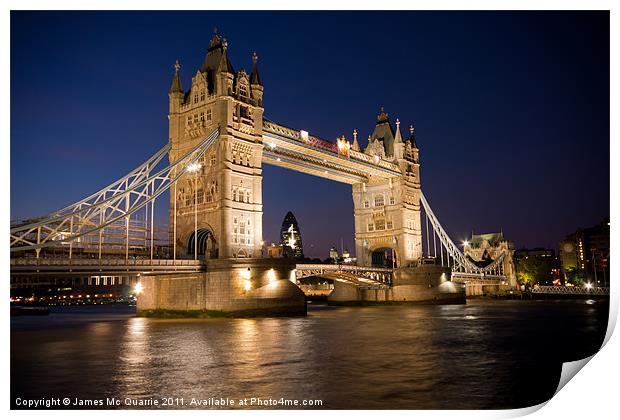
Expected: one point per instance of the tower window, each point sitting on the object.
(366, 204)
(392, 200)
(379, 200)
(209, 115)
(202, 117)
(202, 95)
(212, 160)
(371, 227)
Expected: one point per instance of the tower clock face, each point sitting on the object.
(568, 247)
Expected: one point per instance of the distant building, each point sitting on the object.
(539, 264)
(290, 237)
(534, 252)
(333, 254)
(275, 251)
(347, 258)
(483, 249)
(587, 251)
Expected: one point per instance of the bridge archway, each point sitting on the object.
(206, 245)
(384, 257)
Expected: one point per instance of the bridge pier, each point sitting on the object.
(236, 287)
(422, 284)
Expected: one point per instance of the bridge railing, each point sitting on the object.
(94, 262)
(570, 290)
(342, 267)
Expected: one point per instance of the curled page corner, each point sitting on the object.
(570, 369)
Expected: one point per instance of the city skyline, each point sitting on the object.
(96, 96)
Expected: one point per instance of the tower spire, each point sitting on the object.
(398, 138)
(255, 77)
(412, 139)
(356, 145)
(176, 80)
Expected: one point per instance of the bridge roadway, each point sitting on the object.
(137, 266)
(297, 150)
(39, 266)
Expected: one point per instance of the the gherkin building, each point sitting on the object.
(290, 237)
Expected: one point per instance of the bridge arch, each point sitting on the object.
(383, 257)
(206, 244)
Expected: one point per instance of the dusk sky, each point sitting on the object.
(511, 109)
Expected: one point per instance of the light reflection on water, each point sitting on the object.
(480, 355)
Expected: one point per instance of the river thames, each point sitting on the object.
(486, 354)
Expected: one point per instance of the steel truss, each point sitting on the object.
(110, 205)
(461, 262)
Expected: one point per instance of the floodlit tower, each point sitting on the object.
(387, 211)
(227, 191)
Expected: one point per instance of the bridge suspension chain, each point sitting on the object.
(118, 200)
(461, 261)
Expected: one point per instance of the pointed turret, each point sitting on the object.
(399, 146)
(356, 145)
(411, 138)
(255, 77)
(398, 138)
(256, 86)
(225, 66)
(176, 80)
(384, 133)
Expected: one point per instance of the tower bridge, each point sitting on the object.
(218, 142)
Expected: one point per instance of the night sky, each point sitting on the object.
(511, 109)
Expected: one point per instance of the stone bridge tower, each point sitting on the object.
(225, 194)
(387, 211)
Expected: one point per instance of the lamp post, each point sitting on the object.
(194, 168)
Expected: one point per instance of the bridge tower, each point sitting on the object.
(387, 211)
(222, 200)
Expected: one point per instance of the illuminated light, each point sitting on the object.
(194, 167)
(247, 285)
(465, 242)
(343, 146)
(588, 285)
(293, 276)
(246, 274)
(138, 288)
(88, 296)
(377, 158)
(291, 239)
(272, 145)
(304, 135)
(279, 160)
(271, 275)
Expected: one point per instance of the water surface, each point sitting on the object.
(486, 354)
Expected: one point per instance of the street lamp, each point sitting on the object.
(465, 243)
(194, 167)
